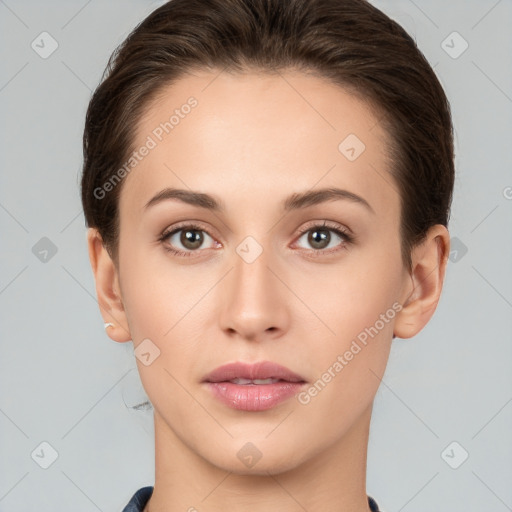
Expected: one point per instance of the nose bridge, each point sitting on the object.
(253, 302)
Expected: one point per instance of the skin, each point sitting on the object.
(253, 140)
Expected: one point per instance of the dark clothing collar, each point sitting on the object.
(141, 497)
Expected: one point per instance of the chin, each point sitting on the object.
(249, 460)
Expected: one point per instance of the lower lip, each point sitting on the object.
(253, 397)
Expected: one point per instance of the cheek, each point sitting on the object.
(352, 295)
(347, 366)
(163, 303)
(157, 293)
(356, 303)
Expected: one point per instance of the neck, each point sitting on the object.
(332, 481)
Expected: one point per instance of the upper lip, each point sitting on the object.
(260, 370)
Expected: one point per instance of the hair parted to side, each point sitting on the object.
(349, 42)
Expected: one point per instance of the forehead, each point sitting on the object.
(258, 135)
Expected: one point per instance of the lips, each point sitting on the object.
(257, 373)
(253, 387)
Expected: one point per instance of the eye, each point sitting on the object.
(320, 238)
(185, 240)
(189, 237)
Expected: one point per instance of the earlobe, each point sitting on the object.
(422, 288)
(107, 288)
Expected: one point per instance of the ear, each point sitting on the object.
(423, 285)
(107, 288)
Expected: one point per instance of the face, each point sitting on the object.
(281, 270)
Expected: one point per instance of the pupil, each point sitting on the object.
(324, 238)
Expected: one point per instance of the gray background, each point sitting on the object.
(64, 382)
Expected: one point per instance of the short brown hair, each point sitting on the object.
(349, 42)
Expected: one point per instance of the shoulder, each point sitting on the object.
(373, 505)
(139, 500)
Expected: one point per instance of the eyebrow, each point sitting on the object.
(295, 201)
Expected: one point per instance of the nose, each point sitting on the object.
(254, 305)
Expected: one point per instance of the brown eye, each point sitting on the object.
(186, 239)
(319, 238)
(191, 238)
(323, 238)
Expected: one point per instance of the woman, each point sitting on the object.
(267, 187)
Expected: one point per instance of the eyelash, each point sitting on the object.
(338, 230)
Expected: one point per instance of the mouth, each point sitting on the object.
(264, 372)
(244, 382)
(253, 387)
